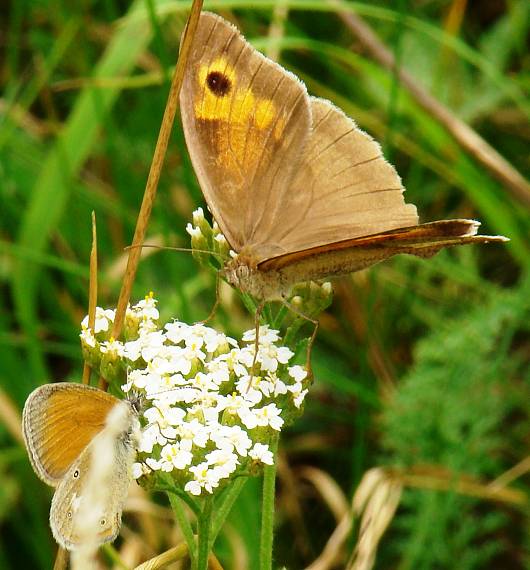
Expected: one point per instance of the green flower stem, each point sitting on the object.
(249, 303)
(184, 524)
(267, 511)
(204, 525)
(114, 556)
(224, 506)
(182, 495)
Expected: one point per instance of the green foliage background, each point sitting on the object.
(418, 364)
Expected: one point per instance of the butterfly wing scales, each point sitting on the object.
(347, 256)
(344, 187)
(246, 121)
(69, 494)
(59, 421)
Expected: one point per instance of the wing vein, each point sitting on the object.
(360, 163)
(280, 164)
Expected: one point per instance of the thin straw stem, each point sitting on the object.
(92, 291)
(155, 170)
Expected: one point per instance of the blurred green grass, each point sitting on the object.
(407, 349)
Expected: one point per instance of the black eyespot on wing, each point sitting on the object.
(218, 83)
(76, 473)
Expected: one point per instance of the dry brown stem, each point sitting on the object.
(155, 170)
(469, 139)
(92, 291)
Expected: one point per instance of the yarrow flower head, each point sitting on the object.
(211, 405)
(206, 237)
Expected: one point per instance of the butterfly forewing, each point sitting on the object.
(246, 122)
(344, 187)
(59, 421)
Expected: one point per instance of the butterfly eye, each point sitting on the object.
(218, 83)
(76, 474)
(103, 521)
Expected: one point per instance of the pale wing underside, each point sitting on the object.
(348, 256)
(68, 530)
(246, 121)
(343, 189)
(59, 421)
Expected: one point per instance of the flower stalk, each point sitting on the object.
(203, 531)
(267, 510)
(184, 524)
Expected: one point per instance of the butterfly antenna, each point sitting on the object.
(169, 247)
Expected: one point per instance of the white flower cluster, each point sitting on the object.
(139, 318)
(211, 406)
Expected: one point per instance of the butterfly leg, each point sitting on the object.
(215, 305)
(308, 366)
(257, 316)
(315, 322)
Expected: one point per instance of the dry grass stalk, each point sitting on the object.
(10, 417)
(277, 29)
(468, 138)
(379, 492)
(92, 291)
(336, 501)
(439, 479)
(61, 559)
(116, 270)
(156, 169)
(512, 474)
(178, 552)
(174, 554)
(292, 506)
(375, 502)
(239, 551)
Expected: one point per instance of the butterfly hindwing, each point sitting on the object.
(344, 187)
(110, 494)
(347, 256)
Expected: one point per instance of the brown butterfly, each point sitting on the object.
(298, 190)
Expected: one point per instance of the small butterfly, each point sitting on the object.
(62, 424)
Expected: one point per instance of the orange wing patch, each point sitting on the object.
(265, 113)
(240, 120)
(216, 83)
